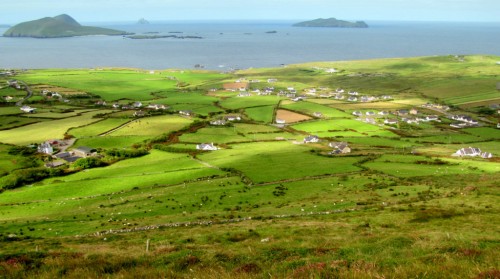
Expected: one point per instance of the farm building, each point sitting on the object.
(28, 109)
(84, 151)
(236, 86)
(206, 146)
(470, 151)
(486, 155)
(391, 121)
(232, 118)
(156, 106)
(186, 112)
(139, 113)
(244, 94)
(219, 122)
(45, 148)
(137, 104)
(339, 147)
(311, 139)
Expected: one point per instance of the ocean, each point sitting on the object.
(239, 45)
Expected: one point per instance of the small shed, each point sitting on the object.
(84, 151)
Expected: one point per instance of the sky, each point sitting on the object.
(164, 10)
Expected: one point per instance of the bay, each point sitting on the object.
(228, 45)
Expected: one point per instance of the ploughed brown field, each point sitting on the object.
(290, 116)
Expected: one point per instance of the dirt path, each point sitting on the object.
(28, 95)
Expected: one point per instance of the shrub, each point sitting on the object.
(88, 163)
(425, 215)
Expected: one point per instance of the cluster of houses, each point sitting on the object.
(51, 94)
(225, 120)
(138, 106)
(338, 147)
(243, 87)
(436, 106)
(404, 114)
(464, 121)
(472, 152)
(135, 105)
(62, 157)
(7, 73)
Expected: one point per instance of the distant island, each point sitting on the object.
(57, 27)
(4, 26)
(142, 21)
(331, 22)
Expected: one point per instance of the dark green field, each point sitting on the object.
(266, 204)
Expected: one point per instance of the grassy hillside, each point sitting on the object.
(55, 27)
(265, 204)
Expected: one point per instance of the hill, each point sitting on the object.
(56, 27)
(393, 203)
(331, 22)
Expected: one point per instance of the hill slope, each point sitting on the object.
(331, 22)
(55, 27)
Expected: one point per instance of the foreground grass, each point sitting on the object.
(432, 237)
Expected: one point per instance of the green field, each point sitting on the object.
(153, 126)
(278, 161)
(109, 142)
(40, 132)
(249, 102)
(97, 128)
(406, 166)
(9, 122)
(215, 135)
(264, 205)
(133, 84)
(310, 108)
(261, 114)
(342, 127)
(10, 111)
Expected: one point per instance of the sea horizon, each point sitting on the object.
(227, 44)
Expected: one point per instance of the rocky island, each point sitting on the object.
(142, 21)
(57, 27)
(331, 22)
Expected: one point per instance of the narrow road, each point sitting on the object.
(28, 90)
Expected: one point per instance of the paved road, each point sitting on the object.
(29, 95)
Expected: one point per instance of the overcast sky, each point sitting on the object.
(16, 11)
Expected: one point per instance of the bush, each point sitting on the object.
(22, 177)
(21, 150)
(126, 153)
(88, 163)
(425, 215)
